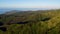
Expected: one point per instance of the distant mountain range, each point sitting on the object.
(3, 10)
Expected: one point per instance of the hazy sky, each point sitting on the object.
(29, 3)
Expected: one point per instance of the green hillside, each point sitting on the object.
(31, 22)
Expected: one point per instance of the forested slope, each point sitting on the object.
(31, 22)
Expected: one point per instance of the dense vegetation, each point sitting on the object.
(31, 22)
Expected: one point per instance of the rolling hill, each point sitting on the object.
(30, 22)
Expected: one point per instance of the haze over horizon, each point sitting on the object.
(31, 4)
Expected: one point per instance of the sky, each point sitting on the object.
(30, 4)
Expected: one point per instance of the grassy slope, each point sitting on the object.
(46, 22)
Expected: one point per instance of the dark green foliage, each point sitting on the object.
(31, 22)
